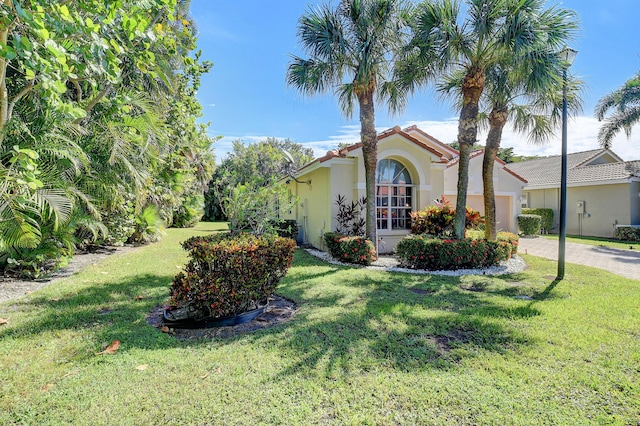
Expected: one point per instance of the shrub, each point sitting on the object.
(438, 220)
(627, 232)
(229, 274)
(422, 252)
(503, 236)
(350, 249)
(546, 215)
(529, 224)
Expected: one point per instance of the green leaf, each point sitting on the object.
(60, 86)
(30, 75)
(44, 33)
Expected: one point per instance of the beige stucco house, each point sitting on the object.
(414, 169)
(602, 190)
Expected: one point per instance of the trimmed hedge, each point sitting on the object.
(422, 252)
(229, 274)
(508, 237)
(350, 249)
(529, 224)
(546, 216)
(627, 232)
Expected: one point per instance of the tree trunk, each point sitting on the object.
(4, 94)
(472, 87)
(497, 120)
(369, 139)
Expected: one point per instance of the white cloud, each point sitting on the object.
(581, 136)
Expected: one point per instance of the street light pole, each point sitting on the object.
(567, 55)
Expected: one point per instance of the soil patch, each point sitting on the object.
(280, 310)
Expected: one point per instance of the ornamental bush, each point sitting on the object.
(438, 220)
(423, 252)
(546, 217)
(529, 224)
(627, 232)
(350, 249)
(230, 274)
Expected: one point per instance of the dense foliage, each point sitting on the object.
(529, 224)
(546, 217)
(438, 220)
(627, 233)
(424, 252)
(98, 133)
(257, 166)
(228, 274)
(350, 249)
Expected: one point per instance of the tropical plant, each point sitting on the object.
(524, 88)
(259, 164)
(349, 218)
(446, 45)
(620, 110)
(350, 49)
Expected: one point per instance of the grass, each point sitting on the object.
(366, 347)
(598, 241)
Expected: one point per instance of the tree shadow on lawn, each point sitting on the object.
(389, 323)
(348, 320)
(111, 310)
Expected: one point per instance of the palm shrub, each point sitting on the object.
(228, 274)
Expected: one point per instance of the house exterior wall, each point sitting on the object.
(605, 206)
(313, 211)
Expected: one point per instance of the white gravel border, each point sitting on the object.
(388, 263)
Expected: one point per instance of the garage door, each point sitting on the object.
(504, 215)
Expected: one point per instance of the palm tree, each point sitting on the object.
(350, 49)
(625, 103)
(525, 89)
(443, 45)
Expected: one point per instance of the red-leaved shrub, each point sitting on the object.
(422, 252)
(230, 274)
(350, 249)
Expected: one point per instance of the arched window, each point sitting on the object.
(394, 195)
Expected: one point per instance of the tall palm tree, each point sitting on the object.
(525, 89)
(445, 44)
(625, 103)
(350, 50)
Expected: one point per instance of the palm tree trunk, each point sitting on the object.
(369, 139)
(497, 121)
(472, 88)
(4, 94)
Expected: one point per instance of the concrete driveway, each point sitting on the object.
(621, 262)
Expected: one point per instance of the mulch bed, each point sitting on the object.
(280, 310)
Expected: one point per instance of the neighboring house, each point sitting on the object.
(414, 169)
(602, 190)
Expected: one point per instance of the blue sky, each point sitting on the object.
(245, 96)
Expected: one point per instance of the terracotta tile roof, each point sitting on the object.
(479, 152)
(342, 153)
(546, 171)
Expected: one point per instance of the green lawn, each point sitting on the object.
(364, 348)
(597, 241)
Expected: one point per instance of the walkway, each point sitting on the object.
(621, 262)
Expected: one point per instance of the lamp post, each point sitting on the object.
(567, 55)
